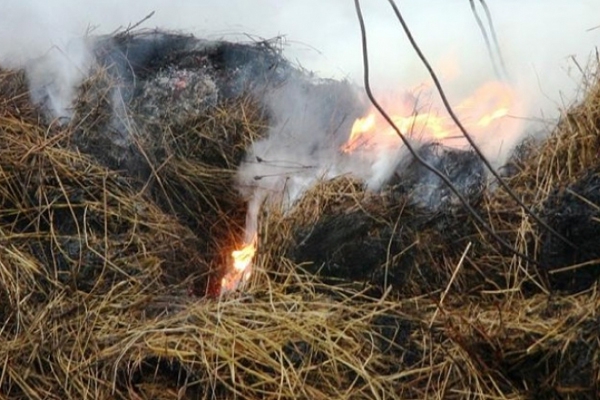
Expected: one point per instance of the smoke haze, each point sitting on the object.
(537, 40)
(536, 37)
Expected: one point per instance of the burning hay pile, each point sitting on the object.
(118, 225)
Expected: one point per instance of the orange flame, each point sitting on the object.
(242, 267)
(243, 258)
(489, 103)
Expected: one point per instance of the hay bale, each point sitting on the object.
(96, 275)
(507, 338)
(174, 114)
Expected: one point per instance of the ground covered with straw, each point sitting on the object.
(108, 280)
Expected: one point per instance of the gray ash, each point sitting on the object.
(236, 68)
(426, 190)
(176, 95)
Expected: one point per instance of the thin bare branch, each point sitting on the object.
(474, 214)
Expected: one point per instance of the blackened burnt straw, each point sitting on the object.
(464, 132)
(414, 153)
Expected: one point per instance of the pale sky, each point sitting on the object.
(536, 36)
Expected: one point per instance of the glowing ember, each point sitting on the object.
(490, 103)
(242, 267)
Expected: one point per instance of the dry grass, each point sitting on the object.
(97, 278)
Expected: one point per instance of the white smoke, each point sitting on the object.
(55, 77)
(297, 151)
(536, 38)
(47, 38)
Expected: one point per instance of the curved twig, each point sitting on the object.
(486, 39)
(494, 37)
(415, 154)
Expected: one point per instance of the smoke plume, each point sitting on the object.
(50, 40)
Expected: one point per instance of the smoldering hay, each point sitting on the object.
(115, 219)
(447, 32)
(101, 294)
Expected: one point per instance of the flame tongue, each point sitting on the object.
(242, 267)
(489, 103)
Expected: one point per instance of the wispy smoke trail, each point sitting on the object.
(323, 36)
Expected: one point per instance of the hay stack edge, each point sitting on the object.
(115, 227)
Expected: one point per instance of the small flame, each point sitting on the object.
(243, 258)
(491, 102)
(362, 125)
(242, 267)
